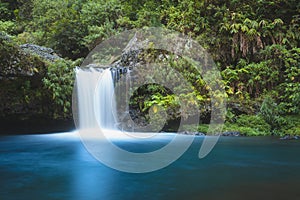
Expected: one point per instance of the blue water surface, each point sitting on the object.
(57, 166)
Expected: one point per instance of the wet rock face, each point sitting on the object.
(43, 52)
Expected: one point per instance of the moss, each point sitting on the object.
(15, 63)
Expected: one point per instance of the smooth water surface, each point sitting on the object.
(57, 166)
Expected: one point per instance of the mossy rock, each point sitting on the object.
(16, 63)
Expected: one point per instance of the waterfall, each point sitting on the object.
(96, 100)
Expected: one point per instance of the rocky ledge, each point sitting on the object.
(43, 52)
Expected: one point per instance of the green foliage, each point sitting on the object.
(100, 18)
(152, 98)
(201, 128)
(21, 86)
(96, 13)
(290, 87)
(290, 125)
(61, 26)
(254, 43)
(14, 62)
(66, 37)
(287, 125)
(98, 34)
(59, 82)
(255, 122)
(230, 116)
(5, 13)
(247, 131)
(250, 125)
(8, 27)
(269, 112)
(140, 13)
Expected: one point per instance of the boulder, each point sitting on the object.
(43, 52)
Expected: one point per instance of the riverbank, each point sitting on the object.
(47, 126)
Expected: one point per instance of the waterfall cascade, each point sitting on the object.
(96, 105)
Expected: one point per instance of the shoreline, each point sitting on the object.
(65, 130)
(37, 126)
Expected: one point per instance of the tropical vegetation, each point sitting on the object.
(255, 45)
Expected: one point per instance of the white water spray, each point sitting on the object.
(96, 105)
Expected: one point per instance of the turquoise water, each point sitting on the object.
(57, 166)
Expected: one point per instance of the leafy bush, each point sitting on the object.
(8, 27)
(59, 82)
(269, 112)
(290, 125)
(254, 122)
(5, 12)
(255, 44)
(201, 128)
(250, 125)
